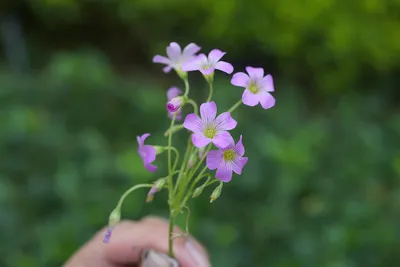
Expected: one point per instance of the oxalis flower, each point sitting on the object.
(258, 87)
(172, 93)
(147, 153)
(176, 57)
(207, 65)
(227, 160)
(210, 128)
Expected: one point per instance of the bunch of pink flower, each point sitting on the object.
(209, 140)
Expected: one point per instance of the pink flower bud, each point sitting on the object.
(174, 104)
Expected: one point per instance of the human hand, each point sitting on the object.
(128, 241)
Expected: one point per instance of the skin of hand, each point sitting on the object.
(130, 238)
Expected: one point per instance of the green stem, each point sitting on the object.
(211, 91)
(130, 190)
(186, 81)
(194, 104)
(237, 104)
(176, 157)
(170, 238)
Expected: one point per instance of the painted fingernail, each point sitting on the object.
(197, 256)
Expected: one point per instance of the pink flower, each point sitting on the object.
(257, 86)
(227, 160)
(147, 153)
(209, 128)
(174, 104)
(171, 94)
(208, 65)
(176, 57)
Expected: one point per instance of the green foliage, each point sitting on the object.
(326, 44)
(321, 187)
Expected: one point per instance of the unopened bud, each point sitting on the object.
(192, 160)
(157, 186)
(215, 194)
(175, 103)
(198, 191)
(114, 217)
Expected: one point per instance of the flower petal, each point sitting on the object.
(150, 167)
(215, 55)
(142, 138)
(199, 140)
(239, 148)
(255, 72)
(224, 66)
(193, 123)
(195, 63)
(207, 71)
(167, 69)
(191, 49)
(214, 159)
(208, 112)
(267, 100)
(222, 139)
(250, 99)
(149, 153)
(173, 92)
(238, 164)
(161, 59)
(174, 51)
(225, 122)
(240, 79)
(224, 172)
(267, 83)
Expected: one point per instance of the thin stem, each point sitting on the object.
(210, 83)
(176, 157)
(237, 104)
(184, 163)
(194, 104)
(186, 81)
(170, 182)
(130, 190)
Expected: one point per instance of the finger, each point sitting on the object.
(129, 239)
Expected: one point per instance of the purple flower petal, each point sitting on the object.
(214, 159)
(150, 167)
(267, 83)
(191, 49)
(222, 139)
(208, 112)
(193, 123)
(250, 99)
(215, 55)
(225, 122)
(194, 64)
(167, 69)
(174, 51)
(199, 140)
(207, 71)
(141, 139)
(255, 72)
(267, 100)
(238, 164)
(239, 148)
(240, 79)
(161, 59)
(224, 172)
(148, 152)
(107, 236)
(173, 92)
(174, 104)
(224, 66)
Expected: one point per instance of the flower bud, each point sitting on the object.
(215, 194)
(114, 217)
(198, 191)
(192, 160)
(175, 103)
(157, 186)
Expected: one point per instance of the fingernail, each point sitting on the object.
(197, 256)
(151, 258)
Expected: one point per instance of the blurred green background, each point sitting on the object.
(322, 184)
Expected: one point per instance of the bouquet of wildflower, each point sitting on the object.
(209, 141)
